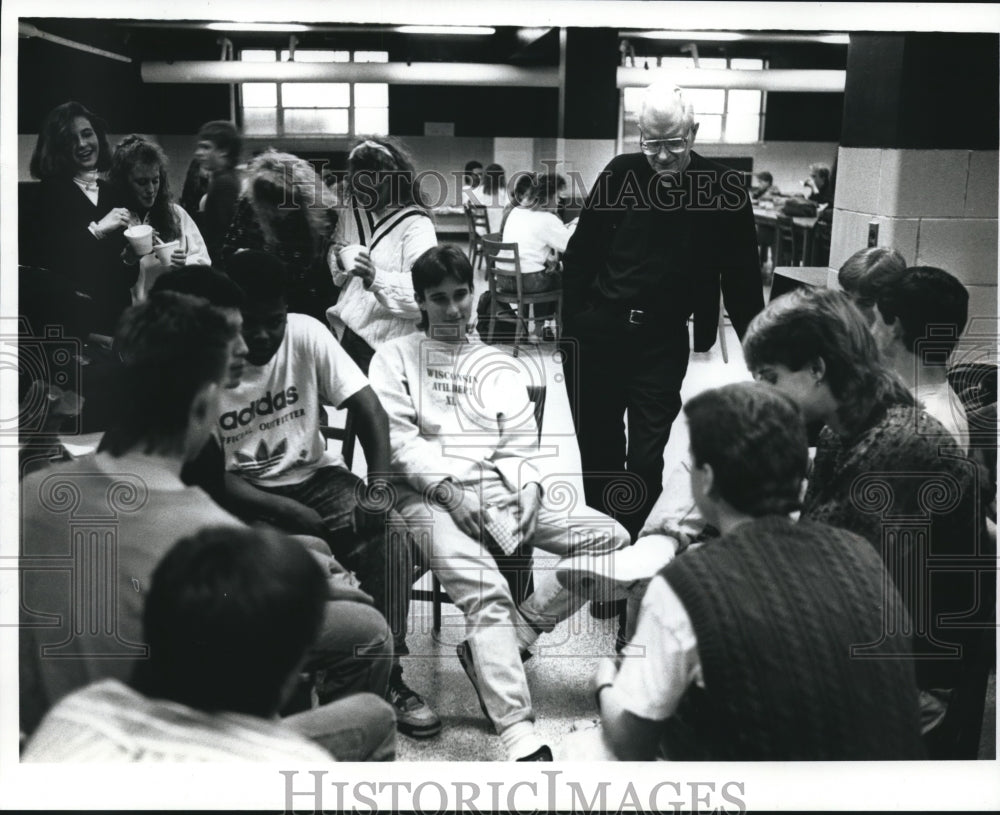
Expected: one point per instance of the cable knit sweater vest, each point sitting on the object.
(776, 607)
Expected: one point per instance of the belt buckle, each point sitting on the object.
(636, 316)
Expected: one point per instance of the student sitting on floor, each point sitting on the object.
(919, 316)
(177, 356)
(863, 273)
(269, 427)
(743, 649)
(229, 617)
(463, 434)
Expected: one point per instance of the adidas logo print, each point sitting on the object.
(265, 406)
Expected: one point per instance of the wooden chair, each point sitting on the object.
(819, 248)
(786, 244)
(478, 224)
(516, 568)
(346, 435)
(504, 261)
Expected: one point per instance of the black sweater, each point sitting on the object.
(640, 244)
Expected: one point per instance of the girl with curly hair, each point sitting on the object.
(285, 210)
(139, 172)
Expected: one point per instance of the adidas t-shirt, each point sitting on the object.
(269, 425)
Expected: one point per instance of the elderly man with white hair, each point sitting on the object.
(661, 232)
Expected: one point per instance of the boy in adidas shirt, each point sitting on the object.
(269, 430)
(463, 434)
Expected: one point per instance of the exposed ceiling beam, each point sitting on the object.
(395, 73)
(27, 30)
(811, 81)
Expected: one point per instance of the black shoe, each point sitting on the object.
(605, 611)
(543, 753)
(414, 717)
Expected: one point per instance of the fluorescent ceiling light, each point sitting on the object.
(834, 39)
(272, 27)
(717, 36)
(464, 30)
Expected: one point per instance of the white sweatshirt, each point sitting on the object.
(455, 411)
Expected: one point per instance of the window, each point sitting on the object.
(314, 108)
(723, 115)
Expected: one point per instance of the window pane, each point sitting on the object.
(747, 102)
(669, 62)
(304, 55)
(709, 127)
(371, 120)
(741, 128)
(706, 100)
(373, 95)
(257, 56)
(315, 94)
(633, 101)
(315, 121)
(371, 56)
(260, 121)
(746, 64)
(260, 94)
(715, 63)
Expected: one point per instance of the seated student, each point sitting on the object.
(919, 317)
(879, 459)
(176, 353)
(228, 620)
(492, 195)
(463, 434)
(820, 184)
(863, 274)
(764, 189)
(781, 684)
(813, 346)
(269, 430)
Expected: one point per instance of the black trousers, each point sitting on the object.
(617, 372)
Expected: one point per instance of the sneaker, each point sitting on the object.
(414, 717)
(543, 753)
(615, 576)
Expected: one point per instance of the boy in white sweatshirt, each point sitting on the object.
(462, 434)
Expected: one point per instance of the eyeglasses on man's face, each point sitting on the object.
(653, 147)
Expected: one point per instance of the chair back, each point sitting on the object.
(787, 242)
(480, 219)
(346, 435)
(502, 260)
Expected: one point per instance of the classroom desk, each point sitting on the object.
(804, 225)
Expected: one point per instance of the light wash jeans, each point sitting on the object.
(498, 629)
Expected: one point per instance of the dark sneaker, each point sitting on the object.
(414, 717)
(543, 753)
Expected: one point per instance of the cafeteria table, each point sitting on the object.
(769, 217)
